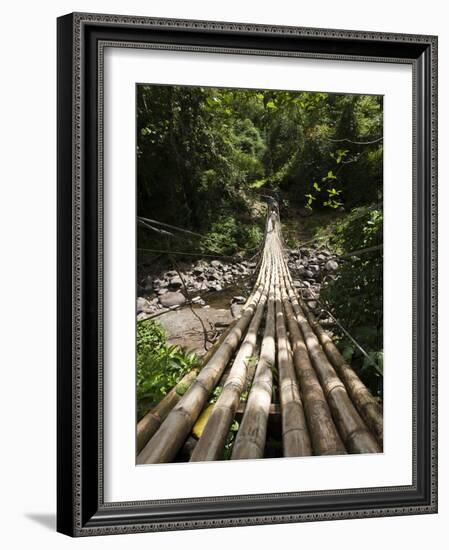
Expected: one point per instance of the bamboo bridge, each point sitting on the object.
(323, 408)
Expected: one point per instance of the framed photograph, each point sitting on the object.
(246, 274)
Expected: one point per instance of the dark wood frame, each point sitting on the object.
(81, 508)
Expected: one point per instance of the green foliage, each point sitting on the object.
(356, 296)
(230, 439)
(227, 236)
(204, 154)
(216, 394)
(159, 365)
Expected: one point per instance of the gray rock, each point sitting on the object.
(143, 306)
(236, 310)
(198, 270)
(161, 291)
(308, 274)
(216, 264)
(170, 299)
(238, 299)
(331, 265)
(175, 282)
(214, 285)
(156, 283)
(198, 301)
(212, 274)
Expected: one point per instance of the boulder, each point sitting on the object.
(212, 274)
(238, 299)
(143, 306)
(175, 282)
(331, 265)
(236, 309)
(198, 301)
(198, 270)
(216, 264)
(159, 283)
(214, 285)
(170, 299)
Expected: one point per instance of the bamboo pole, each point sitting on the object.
(250, 438)
(321, 396)
(211, 444)
(295, 436)
(353, 430)
(170, 436)
(323, 432)
(362, 398)
(149, 424)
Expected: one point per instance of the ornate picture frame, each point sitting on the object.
(82, 510)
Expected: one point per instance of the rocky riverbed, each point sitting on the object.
(217, 289)
(311, 268)
(195, 283)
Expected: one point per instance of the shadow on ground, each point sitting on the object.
(46, 520)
